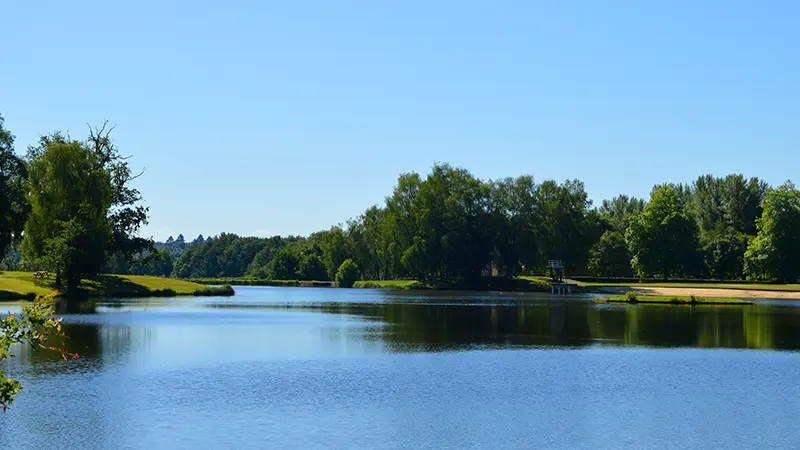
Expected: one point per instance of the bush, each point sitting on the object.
(631, 296)
(210, 291)
(347, 274)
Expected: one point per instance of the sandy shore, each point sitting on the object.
(711, 292)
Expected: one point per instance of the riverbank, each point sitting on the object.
(519, 284)
(674, 300)
(733, 285)
(248, 281)
(702, 292)
(23, 285)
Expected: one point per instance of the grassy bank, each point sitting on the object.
(520, 284)
(689, 284)
(389, 284)
(665, 299)
(247, 281)
(17, 285)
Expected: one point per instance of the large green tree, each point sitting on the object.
(772, 255)
(68, 230)
(618, 211)
(609, 257)
(83, 209)
(14, 208)
(662, 239)
(567, 226)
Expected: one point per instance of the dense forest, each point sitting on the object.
(67, 207)
(451, 225)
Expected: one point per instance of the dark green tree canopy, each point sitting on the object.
(83, 210)
(14, 207)
(662, 239)
(68, 230)
(773, 253)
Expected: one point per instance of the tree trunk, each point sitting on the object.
(73, 282)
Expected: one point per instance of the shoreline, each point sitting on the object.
(702, 292)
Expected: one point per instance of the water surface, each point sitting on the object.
(328, 368)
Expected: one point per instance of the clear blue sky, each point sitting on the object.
(287, 117)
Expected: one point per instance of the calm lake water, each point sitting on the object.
(325, 368)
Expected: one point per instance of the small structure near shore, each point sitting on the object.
(558, 284)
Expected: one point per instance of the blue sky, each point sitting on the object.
(287, 117)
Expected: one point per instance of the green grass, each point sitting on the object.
(16, 285)
(389, 284)
(520, 284)
(678, 284)
(666, 299)
(249, 281)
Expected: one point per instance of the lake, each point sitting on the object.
(335, 368)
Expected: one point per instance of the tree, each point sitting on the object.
(335, 247)
(347, 274)
(14, 208)
(36, 327)
(310, 267)
(83, 209)
(618, 211)
(126, 215)
(772, 255)
(566, 229)
(663, 238)
(512, 212)
(68, 230)
(284, 265)
(609, 257)
(723, 252)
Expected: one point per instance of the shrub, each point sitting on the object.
(347, 274)
(210, 291)
(631, 296)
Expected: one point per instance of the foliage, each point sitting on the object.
(723, 252)
(212, 291)
(70, 193)
(125, 215)
(229, 255)
(284, 265)
(176, 246)
(452, 228)
(310, 267)
(347, 274)
(158, 263)
(14, 208)
(618, 211)
(36, 326)
(82, 207)
(663, 238)
(631, 296)
(609, 256)
(772, 255)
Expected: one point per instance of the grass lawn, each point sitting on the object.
(14, 285)
(519, 284)
(668, 284)
(667, 299)
(389, 284)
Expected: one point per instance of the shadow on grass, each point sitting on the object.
(11, 295)
(111, 286)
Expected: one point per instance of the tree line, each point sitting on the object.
(451, 225)
(67, 207)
